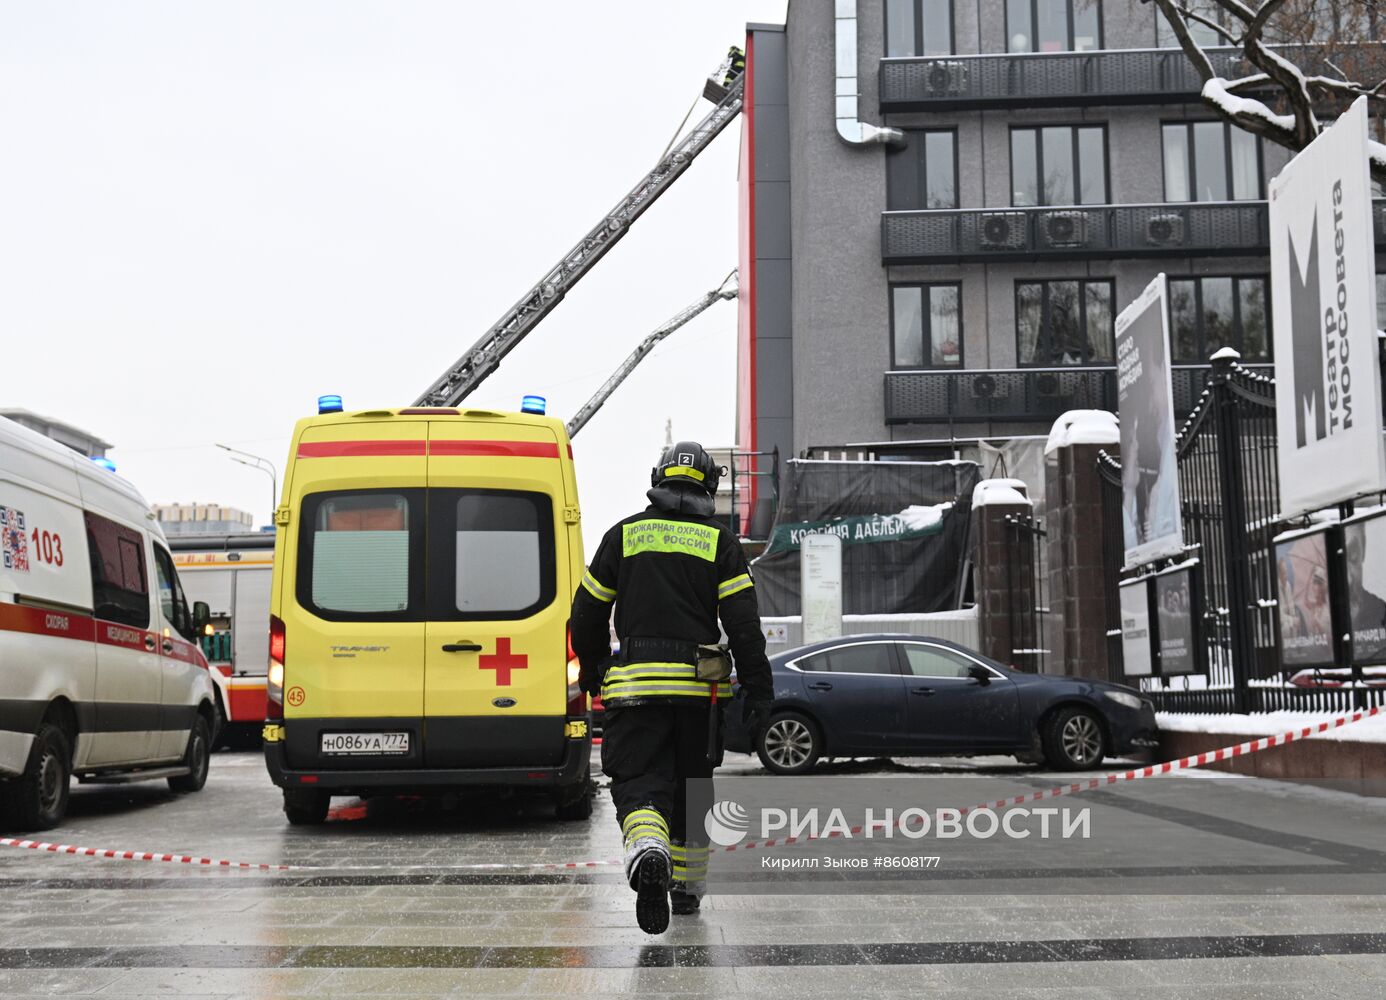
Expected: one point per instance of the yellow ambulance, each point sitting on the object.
(424, 566)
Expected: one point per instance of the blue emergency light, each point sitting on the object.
(105, 463)
(329, 404)
(534, 404)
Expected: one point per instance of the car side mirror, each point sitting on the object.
(980, 674)
(202, 614)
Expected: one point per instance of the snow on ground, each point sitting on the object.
(1371, 730)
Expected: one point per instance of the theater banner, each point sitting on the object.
(1323, 312)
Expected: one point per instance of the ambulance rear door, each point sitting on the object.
(354, 596)
(495, 688)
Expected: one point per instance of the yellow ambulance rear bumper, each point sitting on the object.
(571, 769)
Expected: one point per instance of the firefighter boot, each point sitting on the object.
(652, 893)
(648, 867)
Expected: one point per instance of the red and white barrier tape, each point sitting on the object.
(1152, 771)
(97, 852)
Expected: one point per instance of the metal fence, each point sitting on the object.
(1229, 502)
(1075, 79)
(1083, 232)
(978, 395)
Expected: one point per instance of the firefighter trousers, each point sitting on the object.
(650, 752)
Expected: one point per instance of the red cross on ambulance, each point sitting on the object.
(503, 661)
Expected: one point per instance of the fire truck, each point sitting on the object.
(232, 573)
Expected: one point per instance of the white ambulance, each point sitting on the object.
(100, 673)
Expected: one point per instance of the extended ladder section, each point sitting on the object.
(727, 290)
(474, 366)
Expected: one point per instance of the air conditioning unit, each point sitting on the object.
(1165, 230)
(946, 78)
(988, 386)
(1047, 384)
(1064, 230)
(1002, 231)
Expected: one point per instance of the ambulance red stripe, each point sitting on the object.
(361, 449)
(84, 628)
(513, 449)
(397, 449)
(37, 621)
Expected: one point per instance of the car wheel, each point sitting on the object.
(197, 759)
(790, 744)
(221, 730)
(1073, 739)
(304, 807)
(38, 799)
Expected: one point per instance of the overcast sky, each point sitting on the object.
(211, 213)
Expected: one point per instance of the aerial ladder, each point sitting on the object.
(726, 290)
(455, 384)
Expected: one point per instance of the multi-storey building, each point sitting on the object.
(202, 519)
(945, 203)
(80, 441)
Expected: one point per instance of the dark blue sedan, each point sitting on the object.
(907, 695)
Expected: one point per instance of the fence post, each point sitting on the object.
(1227, 413)
(999, 591)
(1078, 578)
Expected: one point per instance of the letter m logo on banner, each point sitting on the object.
(1308, 337)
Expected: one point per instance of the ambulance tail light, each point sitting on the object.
(577, 700)
(274, 680)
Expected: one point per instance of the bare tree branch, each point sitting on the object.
(1192, 15)
(1283, 72)
(1306, 58)
(1186, 41)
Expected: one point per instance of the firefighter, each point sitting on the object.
(736, 65)
(671, 571)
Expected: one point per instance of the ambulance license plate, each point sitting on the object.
(349, 744)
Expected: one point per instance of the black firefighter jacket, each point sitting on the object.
(671, 575)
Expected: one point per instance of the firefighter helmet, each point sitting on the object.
(687, 462)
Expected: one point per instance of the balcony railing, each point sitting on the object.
(1172, 229)
(1083, 79)
(1020, 394)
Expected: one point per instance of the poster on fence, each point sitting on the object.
(1323, 313)
(1364, 553)
(1306, 611)
(1149, 469)
(1176, 622)
(1135, 629)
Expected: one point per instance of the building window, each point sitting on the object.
(1381, 301)
(1059, 165)
(919, 28)
(1211, 161)
(1208, 314)
(1053, 25)
(925, 173)
(926, 326)
(1064, 322)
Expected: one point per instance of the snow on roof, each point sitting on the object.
(991, 492)
(1083, 427)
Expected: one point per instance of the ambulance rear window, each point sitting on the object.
(490, 554)
(360, 552)
(497, 547)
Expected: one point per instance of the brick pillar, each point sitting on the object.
(1003, 573)
(1077, 576)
